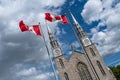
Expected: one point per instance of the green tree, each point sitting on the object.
(116, 71)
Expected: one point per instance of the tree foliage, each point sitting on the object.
(116, 71)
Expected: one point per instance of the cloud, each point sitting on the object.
(80, 0)
(76, 44)
(31, 73)
(27, 72)
(72, 2)
(107, 13)
(116, 61)
(21, 54)
(93, 8)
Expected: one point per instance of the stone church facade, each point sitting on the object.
(86, 65)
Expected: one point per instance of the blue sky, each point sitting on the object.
(23, 56)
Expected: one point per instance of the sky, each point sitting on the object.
(23, 55)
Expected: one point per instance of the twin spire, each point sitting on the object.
(81, 35)
(84, 40)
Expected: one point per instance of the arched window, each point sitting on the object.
(83, 72)
(92, 51)
(101, 68)
(61, 63)
(66, 76)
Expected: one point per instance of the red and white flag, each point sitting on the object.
(34, 28)
(53, 18)
(22, 26)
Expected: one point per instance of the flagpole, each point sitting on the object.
(49, 56)
(51, 59)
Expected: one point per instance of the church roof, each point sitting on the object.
(74, 53)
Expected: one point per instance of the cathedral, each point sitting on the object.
(85, 65)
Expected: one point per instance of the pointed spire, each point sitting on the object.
(49, 30)
(78, 27)
(81, 33)
(54, 43)
(75, 21)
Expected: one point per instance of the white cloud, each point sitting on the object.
(93, 8)
(107, 3)
(33, 74)
(8, 8)
(108, 13)
(20, 48)
(27, 72)
(52, 3)
(116, 61)
(76, 44)
(80, 0)
(59, 32)
(63, 31)
(72, 2)
(94, 30)
(65, 46)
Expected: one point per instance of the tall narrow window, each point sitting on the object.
(83, 34)
(66, 76)
(61, 63)
(92, 51)
(101, 68)
(83, 72)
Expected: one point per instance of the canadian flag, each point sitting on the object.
(22, 26)
(34, 28)
(53, 18)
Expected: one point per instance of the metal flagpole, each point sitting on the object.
(49, 55)
(51, 59)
